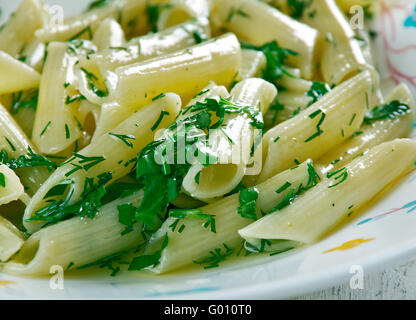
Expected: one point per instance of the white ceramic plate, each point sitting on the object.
(388, 226)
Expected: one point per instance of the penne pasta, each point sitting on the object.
(109, 153)
(396, 125)
(138, 128)
(185, 72)
(342, 56)
(75, 242)
(180, 11)
(322, 208)
(55, 128)
(314, 131)
(252, 64)
(20, 29)
(11, 239)
(244, 18)
(200, 241)
(15, 142)
(16, 75)
(232, 144)
(109, 35)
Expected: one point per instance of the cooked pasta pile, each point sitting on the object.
(151, 134)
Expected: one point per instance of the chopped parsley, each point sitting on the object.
(2, 180)
(317, 91)
(153, 13)
(98, 4)
(294, 193)
(160, 96)
(106, 262)
(151, 260)
(284, 187)
(162, 179)
(276, 58)
(233, 12)
(248, 203)
(87, 30)
(297, 7)
(76, 98)
(67, 132)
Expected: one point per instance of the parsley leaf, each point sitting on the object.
(276, 57)
(297, 7)
(317, 91)
(248, 207)
(151, 260)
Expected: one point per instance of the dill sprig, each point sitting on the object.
(89, 205)
(31, 159)
(180, 214)
(215, 257)
(392, 110)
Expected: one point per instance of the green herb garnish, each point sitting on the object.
(248, 203)
(215, 257)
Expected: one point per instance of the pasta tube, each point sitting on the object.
(15, 75)
(322, 208)
(109, 35)
(109, 153)
(180, 11)
(75, 242)
(184, 72)
(342, 56)
(198, 242)
(15, 142)
(20, 29)
(55, 127)
(314, 131)
(11, 239)
(370, 135)
(252, 64)
(104, 63)
(244, 18)
(10, 187)
(232, 144)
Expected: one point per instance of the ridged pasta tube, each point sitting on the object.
(323, 207)
(314, 131)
